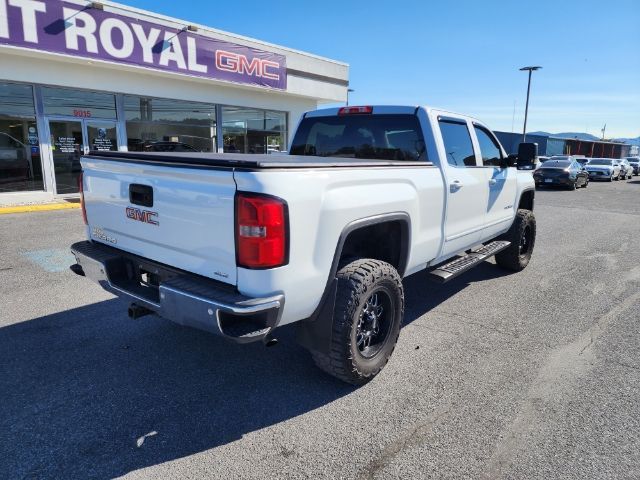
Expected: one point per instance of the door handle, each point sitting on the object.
(455, 186)
(493, 181)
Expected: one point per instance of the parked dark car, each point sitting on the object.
(563, 173)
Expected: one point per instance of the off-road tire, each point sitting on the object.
(356, 282)
(512, 258)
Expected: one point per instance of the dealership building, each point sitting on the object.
(77, 76)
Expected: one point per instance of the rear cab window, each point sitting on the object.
(375, 137)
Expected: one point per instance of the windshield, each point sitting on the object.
(633, 160)
(598, 161)
(384, 137)
(556, 164)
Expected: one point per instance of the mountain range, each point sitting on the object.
(586, 136)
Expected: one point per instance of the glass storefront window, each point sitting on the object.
(250, 130)
(20, 163)
(78, 103)
(67, 145)
(160, 125)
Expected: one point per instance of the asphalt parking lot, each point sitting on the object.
(496, 375)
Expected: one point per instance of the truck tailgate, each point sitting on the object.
(187, 224)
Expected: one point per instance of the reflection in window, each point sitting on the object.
(250, 130)
(161, 125)
(78, 103)
(20, 163)
(457, 144)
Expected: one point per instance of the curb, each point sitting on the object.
(38, 208)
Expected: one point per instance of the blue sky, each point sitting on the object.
(462, 55)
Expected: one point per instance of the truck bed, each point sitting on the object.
(247, 161)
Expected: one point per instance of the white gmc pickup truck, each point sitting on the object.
(239, 245)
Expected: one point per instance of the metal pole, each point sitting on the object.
(526, 110)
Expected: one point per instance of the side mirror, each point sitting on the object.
(510, 161)
(527, 154)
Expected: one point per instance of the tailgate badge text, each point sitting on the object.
(100, 235)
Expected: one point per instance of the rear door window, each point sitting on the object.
(457, 143)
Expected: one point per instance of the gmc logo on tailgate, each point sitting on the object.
(145, 216)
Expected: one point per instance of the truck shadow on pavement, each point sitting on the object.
(89, 393)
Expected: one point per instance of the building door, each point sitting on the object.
(72, 138)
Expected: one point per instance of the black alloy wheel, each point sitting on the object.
(376, 316)
(525, 241)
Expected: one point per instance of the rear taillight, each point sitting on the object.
(261, 231)
(81, 190)
(355, 110)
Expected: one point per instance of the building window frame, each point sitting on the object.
(284, 133)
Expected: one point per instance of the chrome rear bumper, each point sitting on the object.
(181, 297)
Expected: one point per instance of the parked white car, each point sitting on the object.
(626, 170)
(241, 244)
(603, 169)
(635, 163)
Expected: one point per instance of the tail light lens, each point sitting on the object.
(261, 231)
(81, 190)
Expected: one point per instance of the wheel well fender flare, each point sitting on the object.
(525, 193)
(315, 332)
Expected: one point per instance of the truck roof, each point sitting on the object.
(388, 110)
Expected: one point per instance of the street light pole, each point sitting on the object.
(526, 108)
(349, 90)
